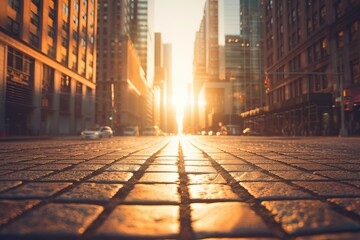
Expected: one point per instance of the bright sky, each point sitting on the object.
(178, 21)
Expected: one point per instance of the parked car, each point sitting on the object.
(231, 129)
(250, 132)
(131, 131)
(97, 133)
(151, 131)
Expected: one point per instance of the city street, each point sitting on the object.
(180, 187)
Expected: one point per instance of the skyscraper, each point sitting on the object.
(122, 86)
(228, 62)
(312, 54)
(48, 63)
(241, 36)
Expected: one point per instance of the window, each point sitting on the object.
(83, 15)
(65, 83)
(13, 27)
(36, 2)
(317, 83)
(315, 20)
(339, 9)
(340, 39)
(65, 9)
(51, 32)
(34, 19)
(34, 40)
(354, 31)
(309, 55)
(309, 26)
(355, 72)
(76, 21)
(316, 51)
(52, 13)
(76, 6)
(324, 81)
(51, 51)
(14, 4)
(323, 50)
(322, 15)
(64, 42)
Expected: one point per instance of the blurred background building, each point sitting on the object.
(312, 56)
(123, 89)
(228, 66)
(47, 79)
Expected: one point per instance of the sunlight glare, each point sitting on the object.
(179, 102)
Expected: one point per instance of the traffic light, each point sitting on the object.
(110, 118)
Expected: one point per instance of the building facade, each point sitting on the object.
(243, 41)
(48, 56)
(312, 56)
(122, 92)
(228, 51)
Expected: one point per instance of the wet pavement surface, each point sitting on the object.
(189, 187)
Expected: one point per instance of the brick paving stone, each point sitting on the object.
(231, 162)
(159, 178)
(252, 176)
(123, 168)
(199, 169)
(85, 166)
(162, 168)
(165, 162)
(350, 204)
(41, 161)
(314, 166)
(197, 163)
(91, 192)
(50, 167)
(238, 168)
(308, 217)
(330, 188)
(25, 175)
(2, 172)
(347, 166)
(141, 221)
(69, 175)
(273, 190)
(54, 219)
(115, 177)
(298, 175)
(154, 193)
(100, 161)
(10, 209)
(131, 161)
(341, 175)
(4, 185)
(67, 161)
(205, 178)
(35, 190)
(354, 183)
(17, 166)
(276, 167)
(219, 220)
(331, 236)
(211, 192)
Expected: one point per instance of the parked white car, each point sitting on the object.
(151, 131)
(97, 133)
(131, 131)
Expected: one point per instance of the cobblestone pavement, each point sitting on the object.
(196, 187)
